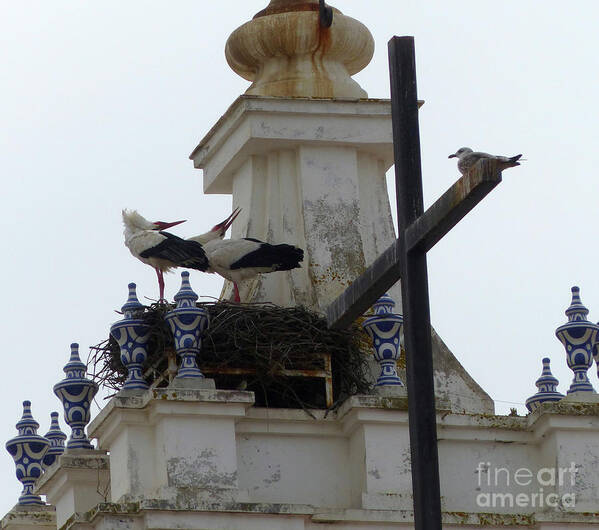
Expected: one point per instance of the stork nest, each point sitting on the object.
(253, 347)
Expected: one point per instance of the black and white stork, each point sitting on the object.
(241, 259)
(148, 242)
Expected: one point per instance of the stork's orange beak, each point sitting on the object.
(229, 220)
(161, 225)
(224, 226)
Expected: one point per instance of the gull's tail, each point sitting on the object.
(511, 161)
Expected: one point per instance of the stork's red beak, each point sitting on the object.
(224, 226)
(161, 225)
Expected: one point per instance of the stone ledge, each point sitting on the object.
(43, 516)
(333, 516)
(256, 125)
(565, 407)
(168, 395)
(204, 394)
(74, 460)
(132, 508)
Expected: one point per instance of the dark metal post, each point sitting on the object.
(416, 312)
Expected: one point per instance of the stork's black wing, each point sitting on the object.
(182, 252)
(280, 257)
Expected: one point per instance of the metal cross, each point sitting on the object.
(418, 232)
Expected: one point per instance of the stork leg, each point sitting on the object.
(236, 292)
(160, 285)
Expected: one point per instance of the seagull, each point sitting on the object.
(467, 158)
(148, 242)
(241, 259)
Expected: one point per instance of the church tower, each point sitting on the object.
(304, 152)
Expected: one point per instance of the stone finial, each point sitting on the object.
(76, 393)
(547, 388)
(578, 336)
(286, 52)
(56, 438)
(187, 323)
(384, 329)
(28, 450)
(132, 335)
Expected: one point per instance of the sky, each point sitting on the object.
(101, 104)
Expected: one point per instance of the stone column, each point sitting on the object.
(309, 173)
(77, 482)
(173, 443)
(379, 440)
(304, 152)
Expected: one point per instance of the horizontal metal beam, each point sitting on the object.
(366, 289)
(454, 204)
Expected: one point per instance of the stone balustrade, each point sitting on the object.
(196, 456)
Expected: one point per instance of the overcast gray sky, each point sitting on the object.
(102, 102)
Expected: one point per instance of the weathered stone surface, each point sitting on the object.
(351, 468)
(287, 53)
(29, 518)
(312, 173)
(76, 482)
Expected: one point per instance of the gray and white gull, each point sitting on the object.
(468, 158)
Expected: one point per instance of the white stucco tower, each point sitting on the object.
(304, 151)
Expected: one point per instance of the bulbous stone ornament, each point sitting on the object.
(28, 450)
(56, 438)
(282, 51)
(187, 322)
(132, 335)
(547, 385)
(76, 393)
(384, 329)
(578, 336)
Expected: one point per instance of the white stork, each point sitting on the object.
(241, 259)
(148, 242)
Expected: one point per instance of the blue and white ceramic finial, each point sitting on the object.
(186, 297)
(187, 323)
(56, 438)
(547, 388)
(76, 393)
(74, 368)
(132, 305)
(132, 335)
(576, 311)
(384, 329)
(28, 450)
(27, 425)
(578, 336)
(383, 305)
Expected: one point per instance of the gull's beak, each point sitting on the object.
(452, 156)
(161, 225)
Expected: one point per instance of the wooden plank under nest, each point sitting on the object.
(325, 373)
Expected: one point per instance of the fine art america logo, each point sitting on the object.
(524, 488)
